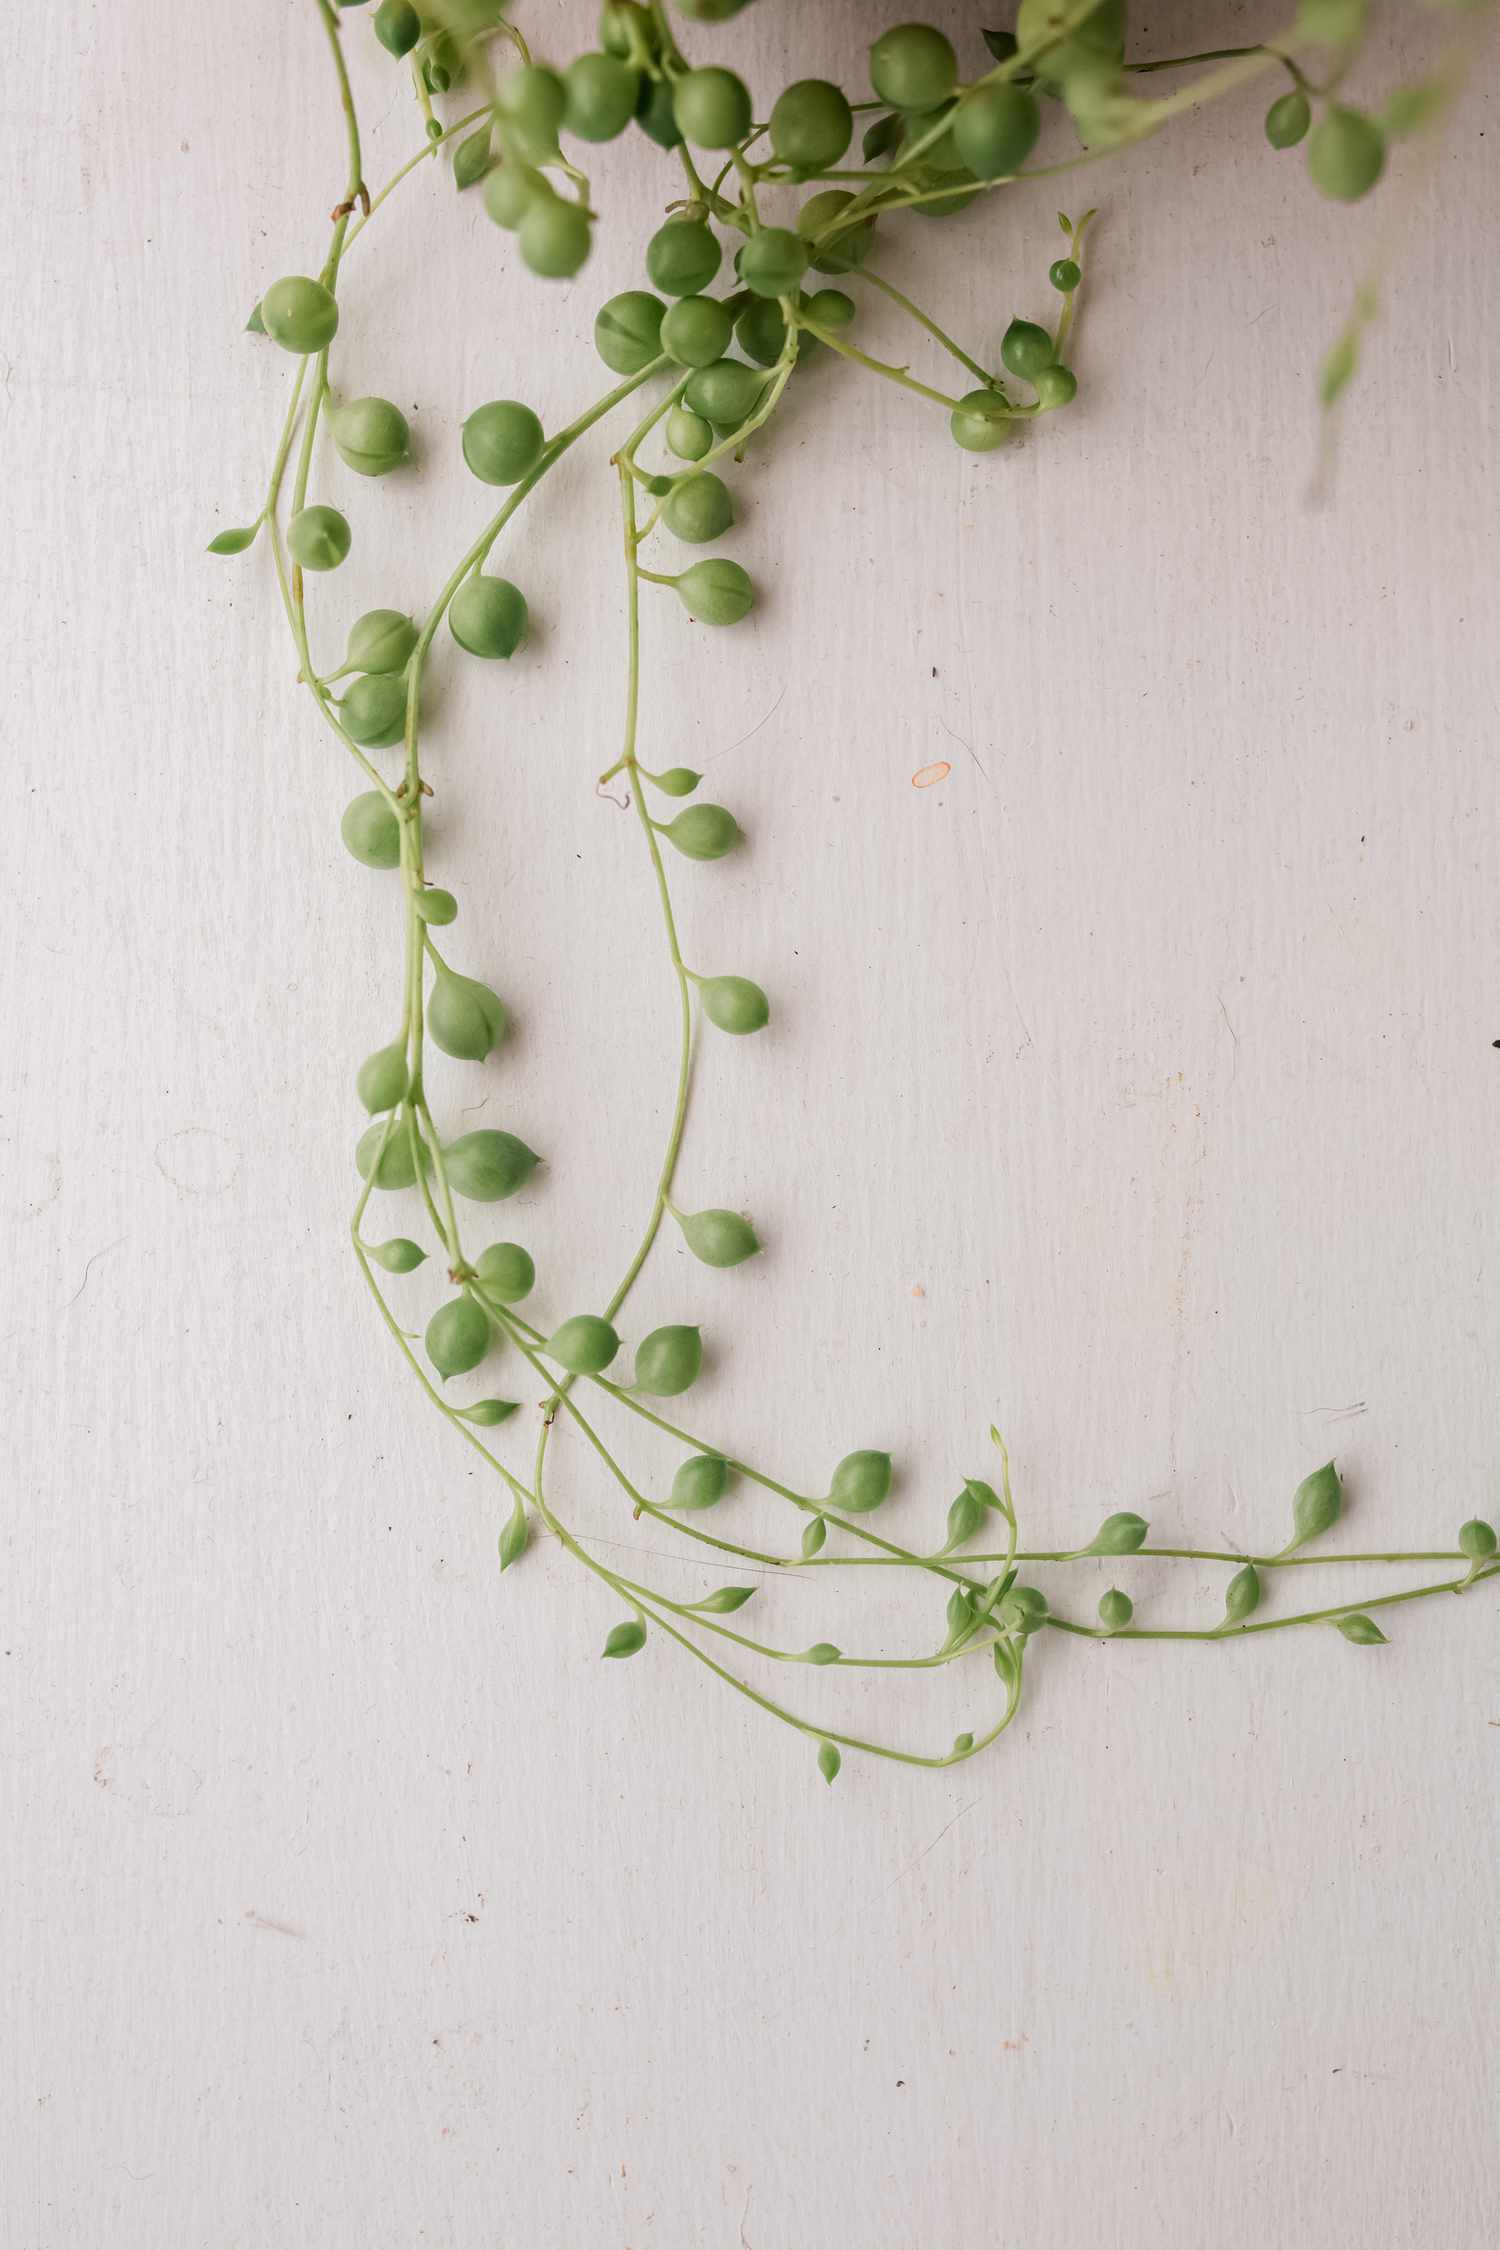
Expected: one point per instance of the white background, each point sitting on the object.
(1134, 1087)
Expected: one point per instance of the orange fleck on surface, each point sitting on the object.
(927, 775)
(917, 1290)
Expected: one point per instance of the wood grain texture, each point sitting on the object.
(1133, 1087)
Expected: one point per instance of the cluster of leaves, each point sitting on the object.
(741, 303)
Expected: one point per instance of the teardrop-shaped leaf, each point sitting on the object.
(471, 158)
(962, 1745)
(1120, 1534)
(960, 1615)
(465, 1017)
(1242, 1595)
(486, 1412)
(626, 1639)
(399, 1255)
(234, 542)
(829, 1761)
(1362, 1630)
(513, 1537)
(822, 1652)
(724, 1602)
(813, 1538)
(881, 137)
(965, 1515)
(1316, 1506)
(719, 1238)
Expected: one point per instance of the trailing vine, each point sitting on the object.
(931, 142)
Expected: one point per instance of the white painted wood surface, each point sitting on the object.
(1134, 1087)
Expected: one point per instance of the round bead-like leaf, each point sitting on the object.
(506, 1271)
(668, 1361)
(719, 1238)
(860, 1482)
(487, 1166)
(465, 1017)
(585, 1345)
(734, 1004)
(700, 1482)
(458, 1336)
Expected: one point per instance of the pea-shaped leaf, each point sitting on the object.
(962, 1745)
(513, 1537)
(723, 1603)
(1476, 1539)
(860, 1482)
(397, 1168)
(668, 1361)
(700, 1482)
(719, 1238)
(1115, 1610)
(1316, 1505)
(465, 1017)
(1362, 1630)
(489, 1165)
(506, 1271)
(234, 542)
(399, 1255)
(585, 1345)
(822, 1652)
(813, 1538)
(626, 1639)
(471, 159)
(1242, 1595)
(458, 1336)
(677, 781)
(1121, 1534)
(734, 1004)
(703, 831)
(829, 1761)
(383, 1078)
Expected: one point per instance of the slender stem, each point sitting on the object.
(924, 320)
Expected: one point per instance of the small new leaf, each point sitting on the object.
(1362, 1630)
(513, 1537)
(486, 1412)
(881, 137)
(813, 1538)
(829, 1761)
(234, 542)
(960, 1615)
(626, 1639)
(965, 1516)
(724, 1602)
(822, 1652)
(962, 1745)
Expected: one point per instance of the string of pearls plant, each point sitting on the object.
(738, 304)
